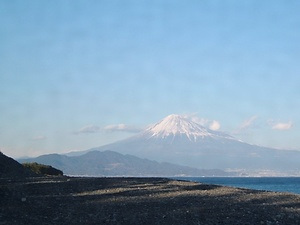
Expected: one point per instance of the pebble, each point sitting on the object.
(162, 201)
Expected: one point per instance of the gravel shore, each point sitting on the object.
(70, 200)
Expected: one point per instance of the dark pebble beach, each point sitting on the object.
(73, 200)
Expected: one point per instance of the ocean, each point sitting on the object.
(278, 184)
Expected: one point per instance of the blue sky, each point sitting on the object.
(79, 74)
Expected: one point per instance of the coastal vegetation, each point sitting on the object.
(42, 169)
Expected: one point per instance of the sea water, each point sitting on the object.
(278, 184)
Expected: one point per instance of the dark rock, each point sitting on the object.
(11, 168)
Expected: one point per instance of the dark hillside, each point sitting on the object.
(9, 168)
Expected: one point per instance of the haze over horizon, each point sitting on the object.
(81, 74)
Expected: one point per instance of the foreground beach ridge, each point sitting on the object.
(74, 200)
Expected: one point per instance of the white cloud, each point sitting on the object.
(246, 125)
(110, 128)
(211, 124)
(282, 126)
(39, 138)
(193, 117)
(88, 130)
(215, 125)
(201, 121)
(122, 127)
(248, 122)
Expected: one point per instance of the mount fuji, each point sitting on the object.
(178, 139)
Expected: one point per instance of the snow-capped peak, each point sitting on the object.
(181, 125)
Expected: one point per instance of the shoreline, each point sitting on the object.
(275, 184)
(140, 200)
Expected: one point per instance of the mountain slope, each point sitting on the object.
(109, 163)
(179, 140)
(9, 168)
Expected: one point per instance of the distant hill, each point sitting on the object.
(9, 168)
(109, 163)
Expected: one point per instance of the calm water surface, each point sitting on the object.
(280, 184)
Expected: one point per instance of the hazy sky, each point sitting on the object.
(79, 74)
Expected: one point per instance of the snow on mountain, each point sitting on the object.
(174, 125)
